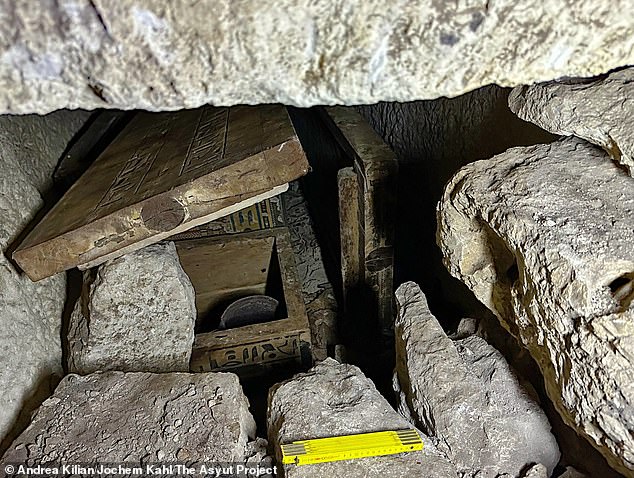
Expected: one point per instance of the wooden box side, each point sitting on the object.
(375, 166)
(268, 343)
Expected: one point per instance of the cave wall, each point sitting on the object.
(30, 313)
(432, 141)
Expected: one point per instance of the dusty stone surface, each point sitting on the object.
(115, 417)
(543, 236)
(257, 457)
(335, 399)
(599, 111)
(465, 396)
(165, 55)
(30, 313)
(137, 315)
(536, 471)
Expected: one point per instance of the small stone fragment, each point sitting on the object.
(334, 399)
(465, 396)
(536, 471)
(137, 315)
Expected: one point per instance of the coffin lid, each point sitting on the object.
(163, 174)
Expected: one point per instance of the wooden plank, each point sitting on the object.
(280, 341)
(376, 169)
(350, 234)
(102, 127)
(220, 270)
(165, 173)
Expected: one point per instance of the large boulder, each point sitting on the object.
(136, 315)
(598, 110)
(30, 313)
(465, 396)
(167, 55)
(543, 236)
(334, 399)
(138, 417)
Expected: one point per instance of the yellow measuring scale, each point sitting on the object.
(348, 447)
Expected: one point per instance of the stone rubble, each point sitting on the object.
(335, 399)
(138, 417)
(464, 395)
(30, 313)
(165, 55)
(598, 110)
(543, 236)
(137, 314)
(258, 457)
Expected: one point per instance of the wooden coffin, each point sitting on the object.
(367, 206)
(223, 269)
(164, 174)
(266, 214)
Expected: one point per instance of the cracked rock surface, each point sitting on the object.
(30, 312)
(464, 395)
(543, 236)
(160, 54)
(334, 399)
(138, 314)
(599, 110)
(114, 417)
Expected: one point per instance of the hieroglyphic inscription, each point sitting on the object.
(267, 214)
(278, 349)
(131, 176)
(208, 142)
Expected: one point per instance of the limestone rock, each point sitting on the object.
(536, 471)
(257, 457)
(115, 417)
(137, 315)
(572, 473)
(30, 313)
(335, 399)
(166, 55)
(598, 110)
(465, 396)
(543, 236)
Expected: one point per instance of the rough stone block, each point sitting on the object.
(543, 236)
(465, 396)
(599, 110)
(301, 53)
(115, 417)
(138, 314)
(30, 314)
(334, 399)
